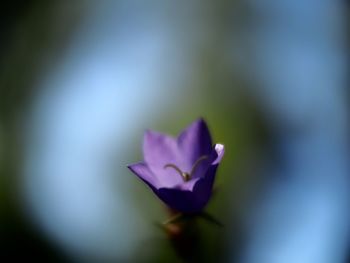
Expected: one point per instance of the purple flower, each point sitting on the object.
(180, 171)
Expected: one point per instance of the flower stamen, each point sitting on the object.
(187, 176)
(196, 163)
(184, 175)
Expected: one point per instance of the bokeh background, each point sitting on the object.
(81, 80)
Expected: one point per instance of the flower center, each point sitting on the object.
(187, 176)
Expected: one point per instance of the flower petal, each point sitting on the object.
(145, 174)
(194, 142)
(214, 158)
(187, 186)
(190, 201)
(158, 150)
(182, 201)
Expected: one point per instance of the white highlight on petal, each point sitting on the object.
(220, 150)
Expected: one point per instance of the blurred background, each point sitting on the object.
(81, 80)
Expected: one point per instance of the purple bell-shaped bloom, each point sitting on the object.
(180, 171)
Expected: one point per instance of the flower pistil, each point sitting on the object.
(185, 175)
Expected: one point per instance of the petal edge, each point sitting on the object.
(144, 173)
